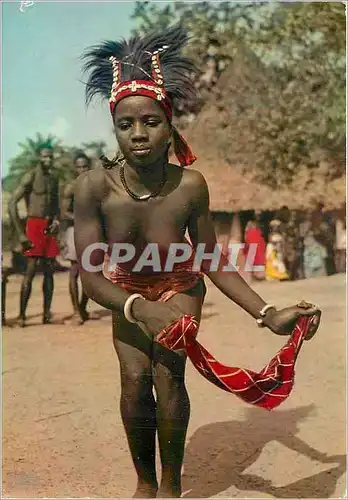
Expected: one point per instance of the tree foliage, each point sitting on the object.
(299, 115)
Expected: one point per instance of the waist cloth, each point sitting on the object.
(43, 245)
(267, 388)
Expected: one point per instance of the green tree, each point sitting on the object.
(305, 42)
(149, 17)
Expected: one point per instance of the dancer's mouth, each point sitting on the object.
(141, 151)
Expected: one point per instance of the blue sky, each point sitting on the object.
(41, 91)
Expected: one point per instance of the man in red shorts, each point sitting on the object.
(39, 188)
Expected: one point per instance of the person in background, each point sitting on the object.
(292, 247)
(324, 232)
(275, 267)
(314, 256)
(253, 236)
(304, 222)
(39, 188)
(82, 163)
(283, 215)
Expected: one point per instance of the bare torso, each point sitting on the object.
(41, 194)
(39, 189)
(162, 220)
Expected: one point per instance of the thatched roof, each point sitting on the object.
(232, 191)
(221, 139)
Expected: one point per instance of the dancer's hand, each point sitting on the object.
(283, 322)
(154, 316)
(26, 244)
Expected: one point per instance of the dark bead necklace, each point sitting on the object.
(144, 197)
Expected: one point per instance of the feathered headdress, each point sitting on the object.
(151, 66)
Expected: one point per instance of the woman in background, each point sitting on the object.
(275, 267)
(253, 236)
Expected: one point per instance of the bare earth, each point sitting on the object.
(62, 432)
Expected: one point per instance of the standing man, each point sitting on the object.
(39, 188)
(82, 163)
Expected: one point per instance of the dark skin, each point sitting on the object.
(39, 188)
(67, 215)
(105, 212)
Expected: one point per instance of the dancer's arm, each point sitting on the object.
(152, 316)
(88, 231)
(231, 284)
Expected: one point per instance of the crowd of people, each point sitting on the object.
(299, 244)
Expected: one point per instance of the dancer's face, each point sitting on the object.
(142, 131)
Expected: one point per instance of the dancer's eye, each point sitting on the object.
(124, 125)
(152, 123)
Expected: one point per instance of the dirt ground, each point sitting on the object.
(62, 432)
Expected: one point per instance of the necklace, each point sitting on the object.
(144, 197)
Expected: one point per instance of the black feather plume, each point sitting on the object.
(135, 58)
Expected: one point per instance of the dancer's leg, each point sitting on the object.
(173, 405)
(138, 407)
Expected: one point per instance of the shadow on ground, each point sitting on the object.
(218, 454)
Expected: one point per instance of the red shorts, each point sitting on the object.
(44, 245)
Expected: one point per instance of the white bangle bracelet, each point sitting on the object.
(266, 308)
(127, 309)
(262, 313)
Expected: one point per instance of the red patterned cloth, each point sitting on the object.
(267, 389)
(159, 286)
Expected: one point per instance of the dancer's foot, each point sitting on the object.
(169, 493)
(145, 490)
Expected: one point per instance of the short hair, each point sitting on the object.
(81, 154)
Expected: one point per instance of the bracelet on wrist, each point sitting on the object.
(262, 313)
(127, 309)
